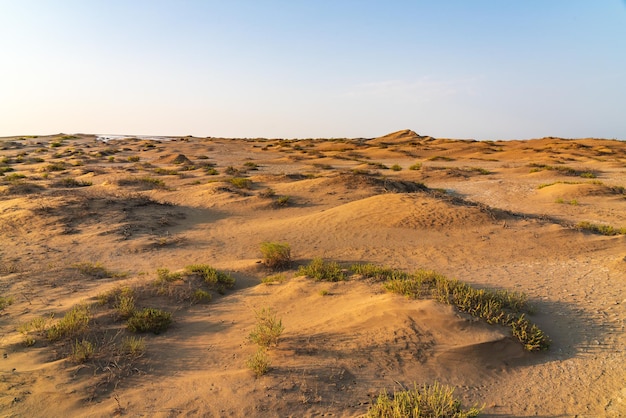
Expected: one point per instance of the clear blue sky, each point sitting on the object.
(484, 69)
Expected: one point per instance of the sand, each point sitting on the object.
(494, 214)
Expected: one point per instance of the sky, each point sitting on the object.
(482, 69)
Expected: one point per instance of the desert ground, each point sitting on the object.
(83, 220)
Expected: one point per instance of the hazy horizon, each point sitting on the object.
(295, 69)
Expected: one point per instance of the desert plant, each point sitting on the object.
(268, 328)
(149, 320)
(428, 401)
(5, 301)
(125, 305)
(82, 351)
(396, 167)
(601, 229)
(276, 255)
(201, 295)
(212, 277)
(73, 323)
(240, 182)
(282, 201)
(134, 346)
(321, 270)
(275, 278)
(259, 362)
(95, 270)
(416, 166)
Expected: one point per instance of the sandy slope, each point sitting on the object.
(494, 214)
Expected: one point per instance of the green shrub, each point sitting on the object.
(5, 301)
(149, 320)
(601, 229)
(212, 277)
(282, 201)
(268, 328)
(240, 182)
(200, 296)
(82, 351)
(396, 167)
(75, 322)
(321, 270)
(416, 166)
(259, 362)
(276, 255)
(95, 270)
(276, 278)
(134, 346)
(428, 401)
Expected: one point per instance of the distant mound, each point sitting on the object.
(400, 137)
(175, 159)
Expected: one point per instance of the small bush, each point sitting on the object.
(95, 270)
(276, 278)
(5, 301)
(70, 182)
(134, 346)
(212, 277)
(201, 296)
(75, 322)
(240, 182)
(267, 193)
(601, 229)
(321, 270)
(396, 167)
(125, 306)
(428, 401)
(268, 328)
(149, 320)
(82, 351)
(416, 166)
(276, 255)
(282, 201)
(259, 362)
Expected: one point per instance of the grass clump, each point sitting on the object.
(282, 201)
(70, 182)
(601, 229)
(5, 302)
(95, 270)
(240, 182)
(275, 278)
(268, 328)
(276, 255)
(201, 296)
(320, 270)
(259, 362)
(396, 167)
(82, 351)
(133, 346)
(416, 166)
(75, 322)
(428, 401)
(149, 320)
(212, 276)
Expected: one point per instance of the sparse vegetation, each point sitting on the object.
(212, 277)
(268, 328)
(95, 270)
(74, 323)
(416, 166)
(82, 350)
(259, 362)
(321, 270)
(276, 255)
(5, 302)
(600, 228)
(133, 346)
(149, 320)
(428, 401)
(275, 278)
(240, 182)
(396, 167)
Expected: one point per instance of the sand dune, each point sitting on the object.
(80, 217)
